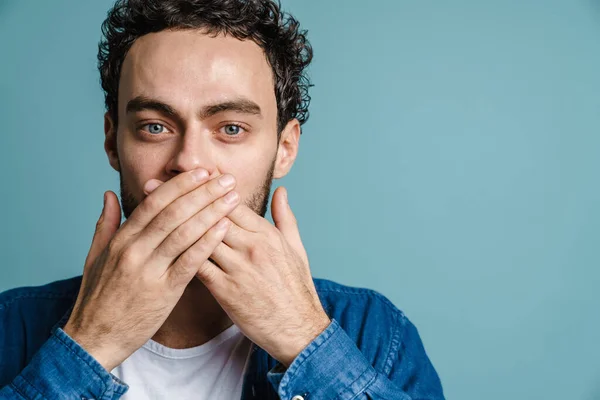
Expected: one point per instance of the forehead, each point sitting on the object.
(189, 68)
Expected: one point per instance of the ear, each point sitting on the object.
(110, 142)
(287, 149)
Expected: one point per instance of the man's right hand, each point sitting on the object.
(135, 274)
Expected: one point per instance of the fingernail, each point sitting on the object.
(231, 197)
(151, 185)
(227, 180)
(199, 174)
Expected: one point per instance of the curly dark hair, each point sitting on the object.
(286, 47)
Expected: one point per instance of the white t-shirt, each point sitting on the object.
(214, 370)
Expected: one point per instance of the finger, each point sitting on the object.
(238, 238)
(286, 221)
(161, 197)
(226, 258)
(211, 196)
(244, 217)
(186, 234)
(210, 275)
(189, 263)
(106, 227)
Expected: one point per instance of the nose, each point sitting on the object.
(193, 152)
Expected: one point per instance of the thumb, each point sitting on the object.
(107, 225)
(285, 220)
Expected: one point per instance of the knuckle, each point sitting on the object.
(99, 223)
(180, 272)
(159, 226)
(151, 204)
(205, 245)
(184, 234)
(183, 261)
(131, 256)
(113, 245)
(206, 272)
(180, 210)
(173, 213)
(201, 247)
(255, 255)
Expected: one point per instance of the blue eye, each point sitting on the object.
(155, 128)
(232, 130)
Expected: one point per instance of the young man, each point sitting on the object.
(196, 295)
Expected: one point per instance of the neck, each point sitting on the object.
(196, 319)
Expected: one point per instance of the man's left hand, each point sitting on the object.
(263, 281)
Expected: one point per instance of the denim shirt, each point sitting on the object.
(370, 350)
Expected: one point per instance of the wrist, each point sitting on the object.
(295, 346)
(103, 354)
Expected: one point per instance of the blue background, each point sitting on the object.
(450, 162)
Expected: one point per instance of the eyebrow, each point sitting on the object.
(240, 105)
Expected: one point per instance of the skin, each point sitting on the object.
(253, 274)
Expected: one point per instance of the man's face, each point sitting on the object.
(188, 100)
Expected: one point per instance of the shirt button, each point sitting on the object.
(297, 397)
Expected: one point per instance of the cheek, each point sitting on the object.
(250, 171)
(138, 166)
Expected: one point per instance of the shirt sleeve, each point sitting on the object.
(62, 369)
(333, 367)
